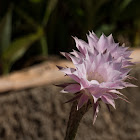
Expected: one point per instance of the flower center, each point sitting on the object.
(95, 76)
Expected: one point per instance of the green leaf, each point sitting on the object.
(19, 46)
(5, 30)
(49, 8)
(124, 4)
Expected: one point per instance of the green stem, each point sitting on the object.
(74, 120)
(44, 46)
(50, 6)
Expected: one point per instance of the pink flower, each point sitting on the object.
(100, 70)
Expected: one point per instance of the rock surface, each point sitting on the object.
(39, 114)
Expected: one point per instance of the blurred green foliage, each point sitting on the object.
(31, 28)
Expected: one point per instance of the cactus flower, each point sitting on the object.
(100, 70)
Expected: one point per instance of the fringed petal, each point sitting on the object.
(126, 84)
(117, 92)
(108, 99)
(93, 35)
(59, 67)
(91, 42)
(102, 43)
(81, 45)
(63, 85)
(75, 77)
(72, 88)
(66, 55)
(124, 100)
(110, 39)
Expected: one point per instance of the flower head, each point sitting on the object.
(100, 70)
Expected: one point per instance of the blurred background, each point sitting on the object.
(32, 33)
(33, 30)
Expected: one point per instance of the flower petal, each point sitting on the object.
(83, 99)
(72, 88)
(100, 70)
(102, 43)
(108, 99)
(117, 92)
(95, 111)
(126, 84)
(66, 55)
